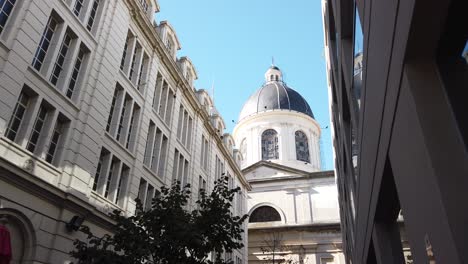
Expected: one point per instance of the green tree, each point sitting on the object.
(168, 233)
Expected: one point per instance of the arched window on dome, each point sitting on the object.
(264, 214)
(302, 147)
(271, 77)
(270, 145)
(243, 149)
(276, 78)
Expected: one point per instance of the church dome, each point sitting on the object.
(275, 95)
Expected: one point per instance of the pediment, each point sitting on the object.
(270, 170)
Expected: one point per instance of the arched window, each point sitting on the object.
(276, 78)
(271, 77)
(243, 149)
(270, 145)
(264, 214)
(302, 147)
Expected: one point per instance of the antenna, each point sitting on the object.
(272, 61)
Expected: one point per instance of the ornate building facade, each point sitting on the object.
(293, 205)
(96, 110)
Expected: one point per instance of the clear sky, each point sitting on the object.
(231, 43)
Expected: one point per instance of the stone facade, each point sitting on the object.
(97, 110)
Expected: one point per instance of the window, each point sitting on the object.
(184, 128)
(243, 149)
(143, 73)
(92, 15)
(204, 153)
(58, 66)
(133, 64)
(37, 128)
(130, 135)
(163, 100)
(270, 145)
(146, 193)
(219, 168)
(156, 150)
(56, 142)
(76, 71)
(44, 43)
(125, 106)
(6, 6)
(124, 173)
(180, 169)
(264, 214)
(124, 55)
(112, 109)
(17, 117)
(97, 176)
(302, 147)
(111, 178)
(77, 8)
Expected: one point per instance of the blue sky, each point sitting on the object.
(231, 43)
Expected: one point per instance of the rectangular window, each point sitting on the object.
(149, 144)
(142, 191)
(92, 15)
(170, 104)
(157, 92)
(125, 106)
(179, 123)
(124, 55)
(133, 66)
(109, 177)
(149, 197)
(112, 109)
(156, 150)
(58, 66)
(44, 43)
(104, 153)
(76, 72)
(37, 128)
(162, 157)
(133, 120)
(77, 8)
(189, 133)
(142, 74)
(122, 180)
(56, 140)
(162, 103)
(17, 117)
(6, 6)
(175, 165)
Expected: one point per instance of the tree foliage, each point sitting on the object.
(168, 232)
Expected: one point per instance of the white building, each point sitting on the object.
(97, 110)
(293, 206)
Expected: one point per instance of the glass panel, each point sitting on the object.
(302, 147)
(270, 145)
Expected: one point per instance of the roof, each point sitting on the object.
(275, 95)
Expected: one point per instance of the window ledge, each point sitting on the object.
(108, 205)
(19, 156)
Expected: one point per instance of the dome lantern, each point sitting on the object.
(273, 74)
